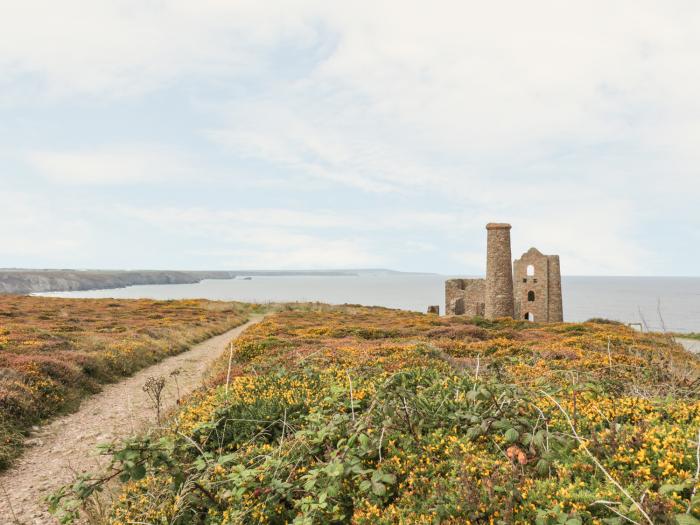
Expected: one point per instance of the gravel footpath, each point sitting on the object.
(65, 446)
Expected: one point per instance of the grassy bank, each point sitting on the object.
(53, 352)
(358, 415)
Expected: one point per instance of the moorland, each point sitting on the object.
(54, 352)
(370, 415)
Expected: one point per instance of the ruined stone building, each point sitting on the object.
(538, 287)
(465, 297)
(527, 288)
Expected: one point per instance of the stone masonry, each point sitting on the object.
(465, 297)
(538, 287)
(499, 272)
(530, 288)
(556, 301)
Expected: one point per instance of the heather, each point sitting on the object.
(368, 415)
(54, 352)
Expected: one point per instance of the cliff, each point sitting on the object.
(21, 281)
(35, 281)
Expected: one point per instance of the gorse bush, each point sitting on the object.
(438, 420)
(53, 351)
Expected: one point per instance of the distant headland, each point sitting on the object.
(27, 281)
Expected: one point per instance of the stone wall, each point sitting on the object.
(538, 292)
(465, 297)
(556, 308)
(531, 291)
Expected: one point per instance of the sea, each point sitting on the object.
(655, 303)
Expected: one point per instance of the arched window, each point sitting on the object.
(530, 270)
(529, 317)
(530, 296)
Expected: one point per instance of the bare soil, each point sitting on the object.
(66, 446)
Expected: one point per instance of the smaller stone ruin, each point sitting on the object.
(465, 297)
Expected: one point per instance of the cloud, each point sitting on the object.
(200, 220)
(305, 253)
(551, 117)
(125, 48)
(577, 123)
(599, 240)
(264, 238)
(339, 150)
(113, 166)
(32, 226)
(472, 87)
(588, 243)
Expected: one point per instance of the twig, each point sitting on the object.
(174, 374)
(230, 359)
(381, 438)
(595, 460)
(607, 504)
(644, 321)
(697, 474)
(352, 402)
(574, 383)
(194, 443)
(408, 419)
(208, 494)
(661, 317)
(9, 503)
(603, 415)
(609, 355)
(546, 426)
(154, 388)
(502, 452)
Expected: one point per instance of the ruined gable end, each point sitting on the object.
(537, 287)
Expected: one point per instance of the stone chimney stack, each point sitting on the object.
(499, 272)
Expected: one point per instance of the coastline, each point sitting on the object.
(28, 281)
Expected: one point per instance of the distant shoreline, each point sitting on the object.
(27, 282)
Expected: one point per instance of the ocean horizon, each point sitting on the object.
(657, 303)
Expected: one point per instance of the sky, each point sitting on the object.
(236, 134)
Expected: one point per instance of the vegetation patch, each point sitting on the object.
(361, 415)
(53, 352)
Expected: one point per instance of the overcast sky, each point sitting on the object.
(229, 134)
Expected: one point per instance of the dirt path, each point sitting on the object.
(66, 445)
